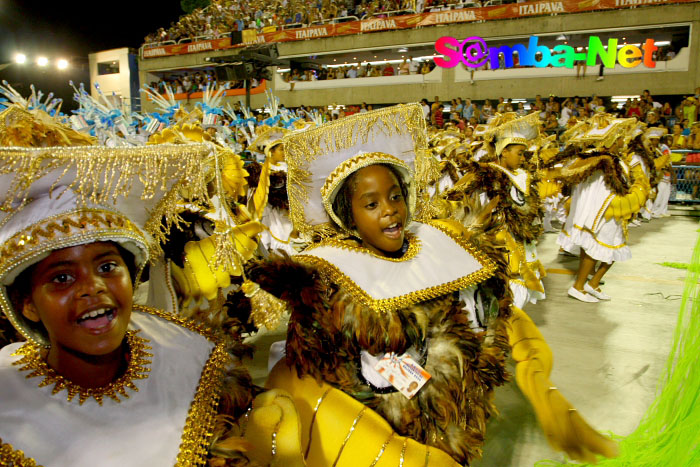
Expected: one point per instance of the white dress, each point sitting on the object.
(646, 210)
(521, 294)
(144, 429)
(586, 226)
(660, 206)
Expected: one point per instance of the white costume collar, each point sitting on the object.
(520, 178)
(147, 428)
(438, 265)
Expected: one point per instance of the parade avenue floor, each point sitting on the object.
(608, 356)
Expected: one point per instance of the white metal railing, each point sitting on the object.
(293, 26)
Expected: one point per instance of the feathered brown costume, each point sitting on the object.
(523, 220)
(588, 163)
(328, 329)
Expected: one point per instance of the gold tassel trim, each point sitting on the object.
(266, 309)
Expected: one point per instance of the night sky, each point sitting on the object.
(72, 30)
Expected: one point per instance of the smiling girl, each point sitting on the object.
(99, 379)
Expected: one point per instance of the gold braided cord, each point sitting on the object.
(137, 368)
(14, 458)
(386, 305)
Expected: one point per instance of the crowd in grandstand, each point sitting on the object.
(223, 16)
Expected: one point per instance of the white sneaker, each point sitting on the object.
(634, 223)
(582, 296)
(596, 293)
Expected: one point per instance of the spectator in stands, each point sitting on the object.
(521, 109)
(551, 124)
(388, 70)
(425, 69)
(352, 72)
(678, 141)
(487, 111)
(413, 66)
(437, 117)
(404, 68)
(666, 113)
(653, 118)
(694, 138)
(459, 106)
(566, 113)
(435, 105)
(456, 119)
(426, 108)
(468, 110)
(501, 107)
(634, 110)
(690, 110)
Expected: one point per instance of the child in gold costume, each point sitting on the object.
(385, 280)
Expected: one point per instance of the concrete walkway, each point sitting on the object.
(608, 356)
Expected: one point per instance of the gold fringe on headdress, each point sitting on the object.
(101, 175)
(303, 149)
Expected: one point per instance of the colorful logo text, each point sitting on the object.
(474, 53)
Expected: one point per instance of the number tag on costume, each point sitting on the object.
(403, 373)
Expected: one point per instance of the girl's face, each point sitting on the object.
(512, 156)
(379, 209)
(83, 297)
(277, 154)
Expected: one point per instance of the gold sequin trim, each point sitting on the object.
(313, 420)
(381, 451)
(196, 436)
(414, 246)
(403, 452)
(602, 210)
(386, 305)
(137, 368)
(79, 224)
(14, 458)
(350, 432)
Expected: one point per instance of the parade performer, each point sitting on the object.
(514, 195)
(641, 165)
(130, 384)
(408, 315)
(663, 170)
(602, 202)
